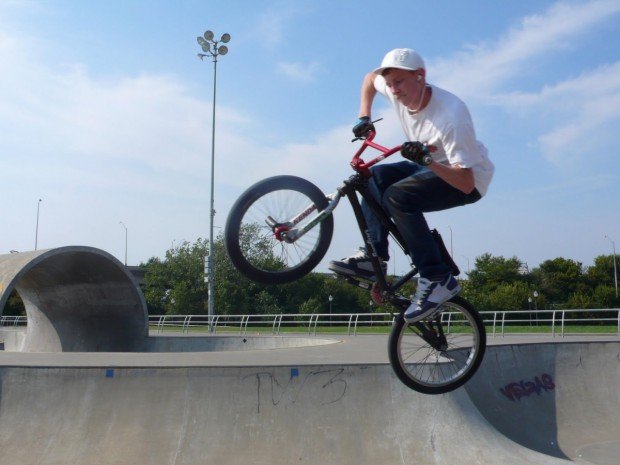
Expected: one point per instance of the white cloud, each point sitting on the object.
(140, 123)
(272, 24)
(483, 68)
(300, 72)
(574, 115)
(569, 112)
(97, 151)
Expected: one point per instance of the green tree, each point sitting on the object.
(580, 299)
(510, 296)
(605, 297)
(559, 278)
(602, 272)
(490, 272)
(14, 305)
(175, 285)
(266, 304)
(312, 305)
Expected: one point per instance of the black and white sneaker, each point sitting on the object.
(357, 265)
(429, 297)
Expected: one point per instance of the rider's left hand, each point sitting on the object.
(363, 126)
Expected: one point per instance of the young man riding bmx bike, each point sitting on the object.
(457, 172)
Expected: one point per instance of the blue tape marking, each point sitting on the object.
(109, 373)
(294, 372)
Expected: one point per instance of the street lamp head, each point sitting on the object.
(209, 35)
(225, 38)
(222, 50)
(201, 41)
(206, 48)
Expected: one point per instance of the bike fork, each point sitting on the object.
(284, 231)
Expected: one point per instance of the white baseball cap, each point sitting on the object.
(402, 58)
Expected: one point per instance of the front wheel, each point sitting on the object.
(259, 222)
(439, 355)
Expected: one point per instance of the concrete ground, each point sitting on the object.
(337, 402)
(87, 385)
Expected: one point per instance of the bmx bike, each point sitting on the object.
(293, 218)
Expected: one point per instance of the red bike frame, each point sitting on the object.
(363, 167)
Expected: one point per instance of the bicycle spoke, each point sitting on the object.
(282, 206)
(450, 356)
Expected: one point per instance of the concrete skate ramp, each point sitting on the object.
(559, 399)
(77, 299)
(326, 414)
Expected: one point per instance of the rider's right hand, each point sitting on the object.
(363, 126)
(416, 152)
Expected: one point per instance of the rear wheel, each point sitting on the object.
(258, 225)
(439, 355)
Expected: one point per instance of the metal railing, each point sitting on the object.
(552, 322)
(13, 320)
(554, 319)
(498, 323)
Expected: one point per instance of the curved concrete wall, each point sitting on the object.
(77, 299)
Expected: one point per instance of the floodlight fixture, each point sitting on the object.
(222, 50)
(225, 38)
(209, 35)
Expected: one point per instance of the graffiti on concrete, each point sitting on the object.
(327, 385)
(516, 390)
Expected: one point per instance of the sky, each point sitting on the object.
(105, 115)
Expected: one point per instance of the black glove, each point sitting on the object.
(417, 152)
(363, 126)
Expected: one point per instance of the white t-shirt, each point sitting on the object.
(446, 124)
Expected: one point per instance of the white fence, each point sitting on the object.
(550, 322)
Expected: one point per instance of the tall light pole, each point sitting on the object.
(120, 222)
(36, 232)
(466, 258)
(613, 248)
(211, 48)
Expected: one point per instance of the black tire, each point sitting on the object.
(270, 260)
(434, 370)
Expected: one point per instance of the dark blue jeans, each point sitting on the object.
(406, 191)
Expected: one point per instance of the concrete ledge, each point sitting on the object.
(12, 339)
(77, 299)
(231, 343)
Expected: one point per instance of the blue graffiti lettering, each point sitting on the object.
(525, 388)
